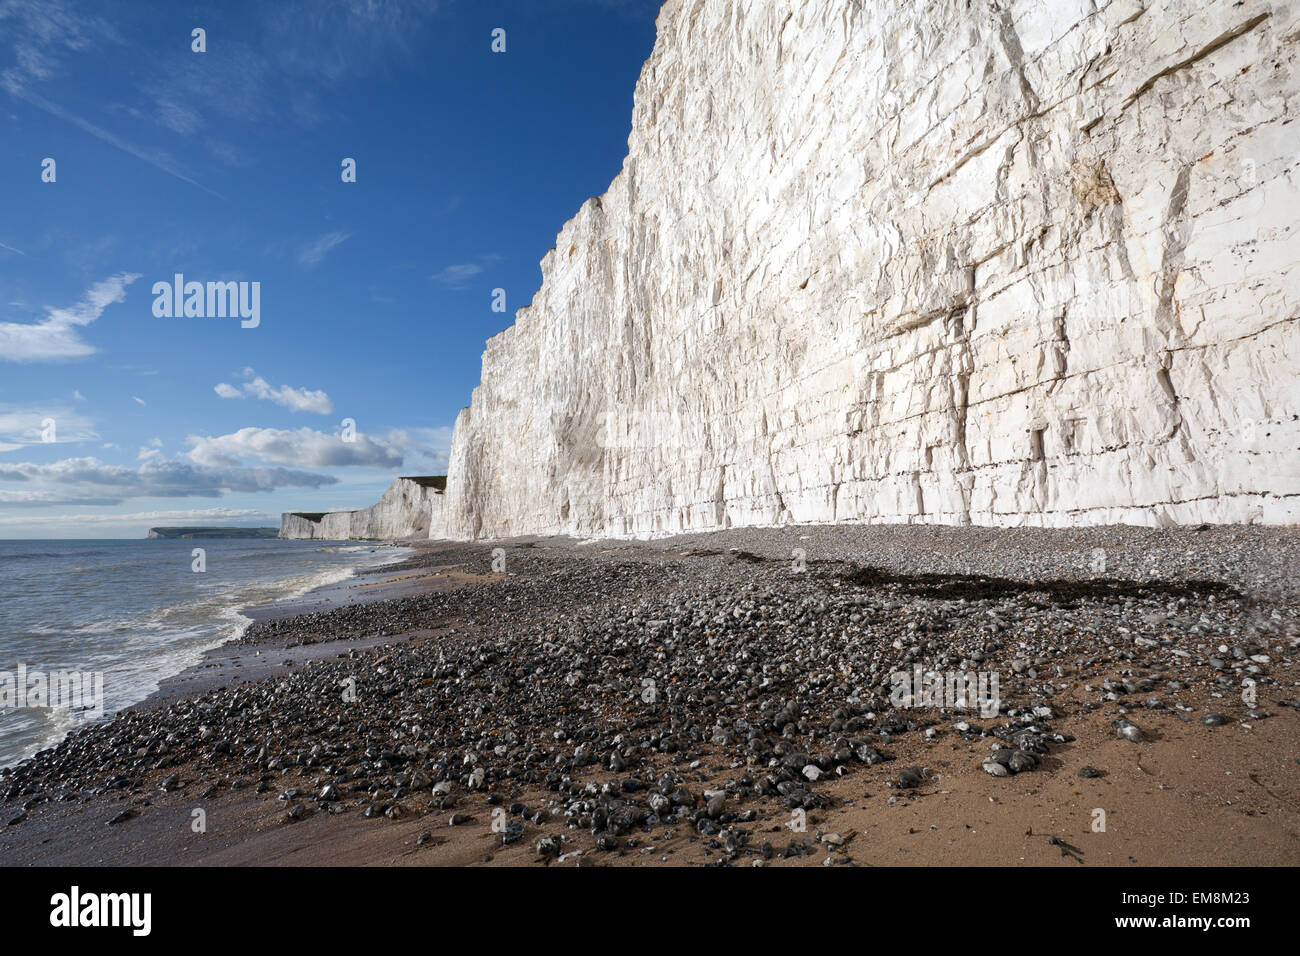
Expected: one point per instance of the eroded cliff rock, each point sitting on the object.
(410, 508)
(889, 260)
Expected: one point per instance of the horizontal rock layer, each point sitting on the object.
(410, 508)
(888, 260)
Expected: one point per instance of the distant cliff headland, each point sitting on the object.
(212, 532)
(410, 508)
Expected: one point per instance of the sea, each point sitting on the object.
(88, 627)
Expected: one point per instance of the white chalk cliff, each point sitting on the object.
(1001, 262)
(410, 508)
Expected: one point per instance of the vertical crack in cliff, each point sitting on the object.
(1117, 227)
(720, 498)
(1016, 55)
(1061, 348)
(1167, 386)
(1177, 229)
(769, 460)
(964, 364)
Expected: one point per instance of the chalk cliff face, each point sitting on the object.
(410, 508)
(1002, 262)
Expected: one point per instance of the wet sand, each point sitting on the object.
(238, 661)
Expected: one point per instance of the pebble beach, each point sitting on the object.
(728, 699)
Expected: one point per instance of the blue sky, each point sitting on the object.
(225, 166)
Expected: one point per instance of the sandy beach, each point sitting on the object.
(720, 699)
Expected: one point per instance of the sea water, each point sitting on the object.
(136, 612)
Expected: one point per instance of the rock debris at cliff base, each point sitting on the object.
(683, 701)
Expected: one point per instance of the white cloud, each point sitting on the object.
(313, 252)
(206, 516)
(138, 400)
(305, 447)
(55, 337)
(294, 399)
(151, 450)
(89, 481)
(424, 450)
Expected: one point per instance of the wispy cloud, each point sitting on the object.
(22, 425)
(55, 338)
(12, 249)
(284, 66)
(329, 42)
(313, 252)
(41, 33)
(178, 117)
(281, 68)
(156, 158)
(294, 399)
(457, 275)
